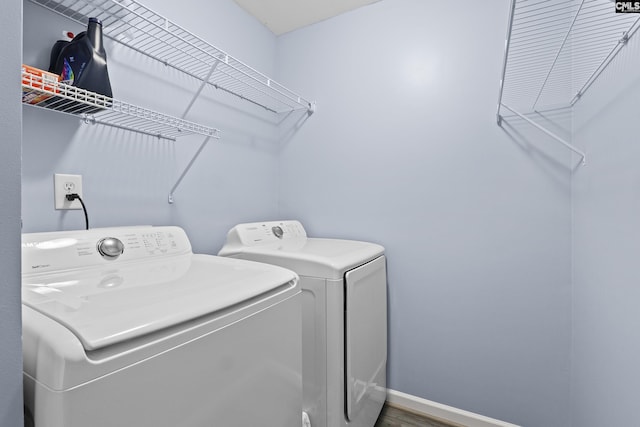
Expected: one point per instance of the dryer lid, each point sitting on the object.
(110, 304)
(327, 258)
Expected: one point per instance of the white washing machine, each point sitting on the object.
(127, 327)
(344, 306)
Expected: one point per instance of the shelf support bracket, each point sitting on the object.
(186, 170)
(205, 81)
(551, 134)
(196, 95)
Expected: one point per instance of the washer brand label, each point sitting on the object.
(627, 6)
(34, 267)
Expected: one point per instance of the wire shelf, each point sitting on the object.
(556, 49)
(139, 28)
(99, 109)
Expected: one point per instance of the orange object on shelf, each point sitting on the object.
(36, 83)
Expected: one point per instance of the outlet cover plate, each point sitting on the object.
(64, 184)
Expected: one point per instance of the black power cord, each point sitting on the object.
(73, 196)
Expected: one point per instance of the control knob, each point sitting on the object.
(110, 247)
(277, 231)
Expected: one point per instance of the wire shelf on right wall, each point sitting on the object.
(555, 50)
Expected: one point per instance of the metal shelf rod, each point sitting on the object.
(504, 62)
(551, 134)
(566, 37)
(186, 170)
(186, 111)
(199, 91)
(94, 121)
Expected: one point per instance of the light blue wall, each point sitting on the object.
(404, 150)
(10, 123)
(606, 248)
(127, 176)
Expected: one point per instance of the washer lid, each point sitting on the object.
(327, 258)
(106, 305)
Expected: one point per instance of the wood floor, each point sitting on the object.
(394, 417)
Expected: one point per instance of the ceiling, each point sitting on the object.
(282, 16)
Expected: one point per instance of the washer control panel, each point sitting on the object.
(262, 233)
(75, 249)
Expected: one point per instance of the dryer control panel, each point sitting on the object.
(262, 233)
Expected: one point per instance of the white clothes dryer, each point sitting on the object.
(127, 327)
(344, 323)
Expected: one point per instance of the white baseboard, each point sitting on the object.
(442, 412)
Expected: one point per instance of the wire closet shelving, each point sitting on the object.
(555, 50)
(137, 27)
(94, 108)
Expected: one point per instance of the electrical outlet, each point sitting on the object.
(64, 184)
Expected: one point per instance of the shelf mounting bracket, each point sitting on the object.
(205, 81)
(186, 170)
